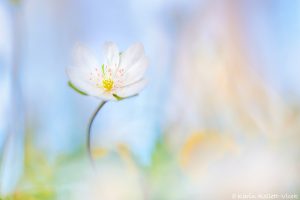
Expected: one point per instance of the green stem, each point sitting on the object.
(89, 134)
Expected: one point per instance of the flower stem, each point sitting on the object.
(89, 148)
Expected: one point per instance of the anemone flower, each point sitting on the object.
(120, 76)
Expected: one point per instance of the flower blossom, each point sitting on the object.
(120, 76)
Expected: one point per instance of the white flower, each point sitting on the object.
(121, 76)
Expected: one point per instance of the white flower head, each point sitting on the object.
(120, 76)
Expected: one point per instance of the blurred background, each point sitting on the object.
(219, 118)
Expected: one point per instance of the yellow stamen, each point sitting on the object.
(108, 84)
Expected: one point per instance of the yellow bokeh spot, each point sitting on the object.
(99, 152)
(207, 144)
(108, 84)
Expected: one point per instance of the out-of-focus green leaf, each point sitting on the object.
(163, 175)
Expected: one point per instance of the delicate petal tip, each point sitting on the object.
(137, 45)
(110, 44)
(137, 71)
(83, 57)
(131, 55)
(80, 80)
(137, 48)
(78, 50)
(70, 72)
(112, 54)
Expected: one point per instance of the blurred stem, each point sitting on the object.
(16, 96)
(89, 134)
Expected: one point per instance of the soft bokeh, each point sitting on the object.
(220, 115)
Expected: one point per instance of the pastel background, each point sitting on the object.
(220, 115)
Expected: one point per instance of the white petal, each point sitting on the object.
(131, 89)
(84, 58)
(112, 55)
(136, 72)
(80, 78)
(131, 56)
(107, 96)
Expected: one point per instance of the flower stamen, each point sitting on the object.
(108, 84)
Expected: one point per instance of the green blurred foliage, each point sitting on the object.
(163, 174)
(44, 179)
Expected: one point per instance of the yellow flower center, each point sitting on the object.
(108, 84)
